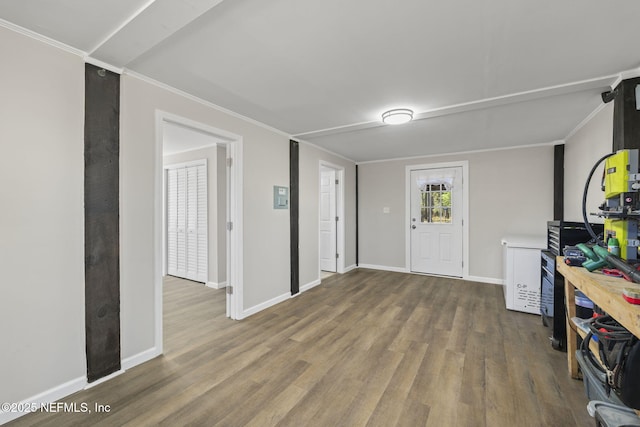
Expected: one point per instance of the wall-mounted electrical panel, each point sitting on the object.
(280, 197)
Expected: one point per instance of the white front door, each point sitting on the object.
(436, 221)
(328, 240)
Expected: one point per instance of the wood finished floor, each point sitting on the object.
(368, 348)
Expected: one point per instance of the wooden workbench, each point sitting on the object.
(604, 291)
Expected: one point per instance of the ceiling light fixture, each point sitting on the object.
(397, 116)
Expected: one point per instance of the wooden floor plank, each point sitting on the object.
(365, 348)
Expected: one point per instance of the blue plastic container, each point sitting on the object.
(584, 306)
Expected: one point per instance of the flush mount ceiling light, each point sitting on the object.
(397, 116)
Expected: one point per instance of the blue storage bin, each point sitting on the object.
(584, 306)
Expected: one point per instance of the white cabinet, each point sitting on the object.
(522, 272)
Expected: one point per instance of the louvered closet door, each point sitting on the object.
(172, 221)
(201, 223)
(187, 222)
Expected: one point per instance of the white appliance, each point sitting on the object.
(522, 272)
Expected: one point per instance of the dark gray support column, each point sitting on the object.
(558, 182)
(357, 223)
(626, 116)
(294, 205)
(101, 216)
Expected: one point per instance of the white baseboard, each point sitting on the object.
(309, 286)
(480, 279)
(52, 395)
(262, 306)
(215, 285)
(60, 392)
(140, 358)
(384, 268)
(257, 308)
(105, 379)
(351, 267)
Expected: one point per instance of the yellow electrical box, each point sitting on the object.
(616, 179)
(625, 231)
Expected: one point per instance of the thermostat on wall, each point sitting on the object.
(280, 197)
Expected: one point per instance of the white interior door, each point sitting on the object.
(328, 236)
(187, 244)
(436, 221)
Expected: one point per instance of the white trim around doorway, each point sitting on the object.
(234, 216)
(340, 226)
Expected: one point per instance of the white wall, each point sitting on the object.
(216, 204)
(510, 192)
(582, 151)
(309, 216)
(266, 231)
(42, 218)
(42, 248)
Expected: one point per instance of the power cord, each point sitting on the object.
(584, 196)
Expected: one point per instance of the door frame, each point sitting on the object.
(235, 260)
(465, 210)
(340, 245)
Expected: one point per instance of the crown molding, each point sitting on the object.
(101, 64)
(629, 74)
(203, 102)
(44, 39)
(333, 153)
(600, 83)
(459, 153)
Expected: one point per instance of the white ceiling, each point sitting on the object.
(479, 74)
(178, 139)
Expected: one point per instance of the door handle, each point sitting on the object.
(413, 226)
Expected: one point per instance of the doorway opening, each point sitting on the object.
(183, 139)
(331, 220)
